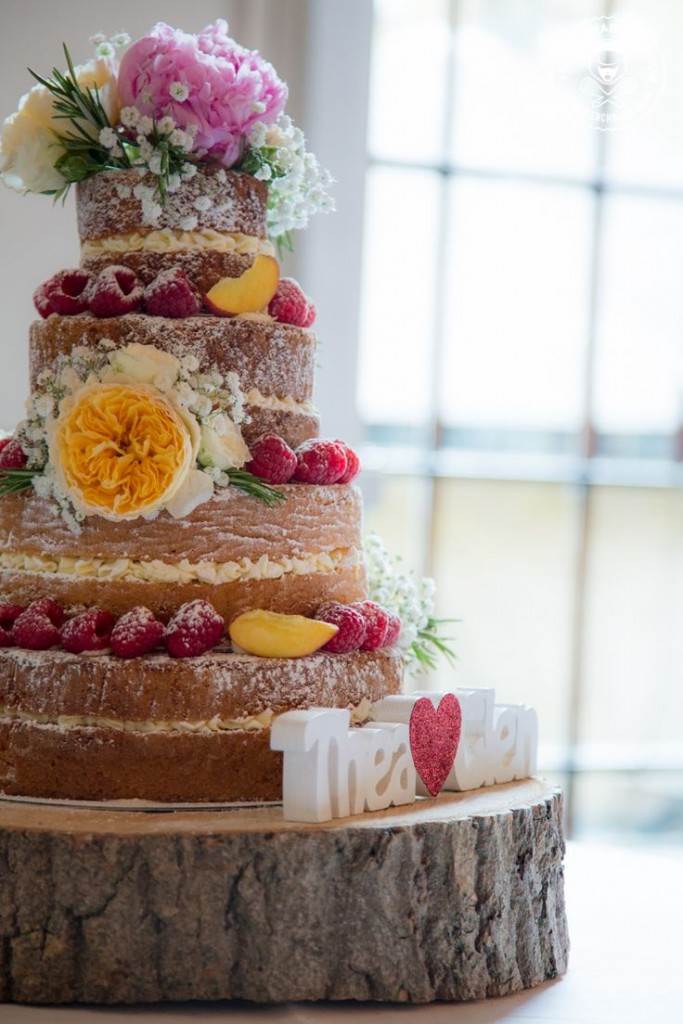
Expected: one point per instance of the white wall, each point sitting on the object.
(319, 46)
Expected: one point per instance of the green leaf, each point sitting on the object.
(430, 645)
(13, 480)
(75, 166)
(284, 243)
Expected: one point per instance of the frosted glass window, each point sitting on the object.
(397, 330)
(408, 79)
(517, 99)
(517, 290)
(639, 352)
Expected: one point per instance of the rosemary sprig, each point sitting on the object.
(429, 645)
(13, 480)
(252, 485)
(82, 152)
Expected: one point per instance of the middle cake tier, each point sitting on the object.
(275, 362)
(233, 551)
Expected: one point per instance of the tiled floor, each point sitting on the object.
(625, 907)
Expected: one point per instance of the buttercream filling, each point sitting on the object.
(156, 571)
(249, 723)
(258, 400)
(172, 240)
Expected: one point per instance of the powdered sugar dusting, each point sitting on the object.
(159, 687)
(273, 358)
(118, 202)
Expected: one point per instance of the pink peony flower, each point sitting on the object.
(207, 81)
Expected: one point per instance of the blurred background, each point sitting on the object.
(501, 324)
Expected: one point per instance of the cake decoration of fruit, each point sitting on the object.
(181, 553)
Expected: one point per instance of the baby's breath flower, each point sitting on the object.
(166, 125)
(44, 405)
(257, 135)
(298, 186)
(179, 91)
(189, 363)
(105, 50)
(145, 126)
(391, 585)
(183, 140)
(108, 138)
(120, 39)
(130, 117)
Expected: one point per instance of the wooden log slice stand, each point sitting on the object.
(455, 898)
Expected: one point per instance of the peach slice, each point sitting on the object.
(248, 293)
(273, 635)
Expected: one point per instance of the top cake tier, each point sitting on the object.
(119, 203)
(213, 226)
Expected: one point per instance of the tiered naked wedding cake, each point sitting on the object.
(180, 557)
(189, 614)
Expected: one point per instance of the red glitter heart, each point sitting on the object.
(434, 738)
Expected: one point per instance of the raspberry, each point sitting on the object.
(376, 625)
(64, 293)
(351, 623)
(9, 613)
(33, 630)
(114, 292)
(352, 464)
(171, 294)
(272, 459)
(196, 627)
(6, 638)
(393, 630)
(12, 455)
(320, 462)
(290, 305)
(46, 606)
(137, 632)
(89, 631)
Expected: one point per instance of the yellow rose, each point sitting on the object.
(121, 451)
(27, 143)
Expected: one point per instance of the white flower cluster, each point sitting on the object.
(158, 147)
(394, 587)
(298, 187)
(208, 392)
(108, 47)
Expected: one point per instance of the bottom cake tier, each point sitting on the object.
(100, 728)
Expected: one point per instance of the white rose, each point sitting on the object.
(27, 145)
(195, 490)
(222, 445)
(27, 142)
(147, 364)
